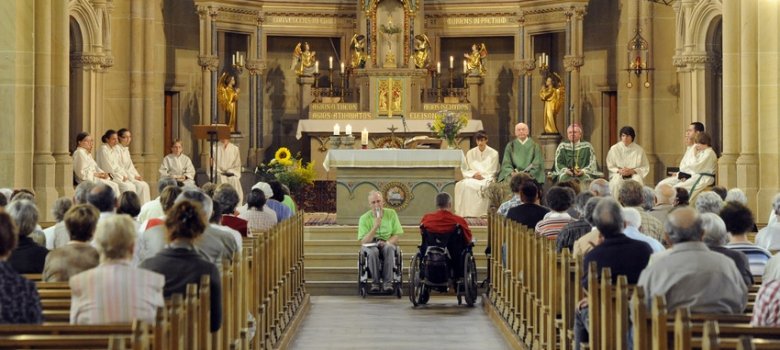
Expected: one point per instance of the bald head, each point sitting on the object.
(664, 194)
(574, 133)
(684, 225)
(521, 131)
(599, 188)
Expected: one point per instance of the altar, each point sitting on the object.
(408, 179)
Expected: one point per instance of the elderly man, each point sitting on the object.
(623, 255)
(716, 236)
(522, 155)
(57, 234)
(443, 221)
(633, 221)
(575, 159)
(769, 236)
(600, 188)
(482, 166)
(379, 231)
(664, 201)
(630, 195)
(626, 160)
(691, 275)
(709, 202)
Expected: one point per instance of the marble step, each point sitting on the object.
(345, 247)
(349, 233)
(350, 273)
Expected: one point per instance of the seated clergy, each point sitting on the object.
(575, 158)
(522, 156)
(626, 160)
(482, 166)
(126, 162)
(178, 166)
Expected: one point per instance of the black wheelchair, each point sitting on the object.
(444, 261)
(365, 278)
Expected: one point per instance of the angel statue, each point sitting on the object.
(422, 47)
(358, 47)
(553, 98)
(303, 60)
(475, 61)
(227, 97)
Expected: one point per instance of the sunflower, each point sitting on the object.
(283, 156)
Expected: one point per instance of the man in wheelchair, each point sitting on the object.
(378, 231)
(443, 221)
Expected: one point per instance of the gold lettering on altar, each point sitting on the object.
(476, 20)
(455, 107)
(348, 107)
(341, 115)
(308, 20)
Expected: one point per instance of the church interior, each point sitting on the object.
(350, 89)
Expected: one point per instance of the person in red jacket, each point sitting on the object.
(443, 220)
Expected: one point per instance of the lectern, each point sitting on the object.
(211, 133)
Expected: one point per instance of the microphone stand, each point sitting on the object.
(403, 121)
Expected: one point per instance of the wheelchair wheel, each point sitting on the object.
(361, 286)
(415, 285)
(470, 279)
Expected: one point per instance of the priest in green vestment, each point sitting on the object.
(522, 155)
(575, 158)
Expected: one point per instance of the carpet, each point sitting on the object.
(329, 219)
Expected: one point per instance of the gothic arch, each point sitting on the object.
(704, 16)
(89, 24)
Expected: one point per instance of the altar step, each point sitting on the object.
(331, 254)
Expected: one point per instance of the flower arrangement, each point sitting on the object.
(447, 124)
(288, 169)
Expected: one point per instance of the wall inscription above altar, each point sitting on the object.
(312, 19)
(469, 21)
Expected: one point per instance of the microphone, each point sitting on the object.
(377, 211)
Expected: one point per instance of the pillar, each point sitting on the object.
(727, 167)
(305, 83)
(208, 63)
(148, 159)
(63, 163)
(747, 162)
(572, 63)
(769, 114)
(474, 84)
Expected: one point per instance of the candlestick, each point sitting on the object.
(348, 130)
(438, 67)
(364, 137)
(452, 61)
(330, 62)
(317, 67)
(336, 129)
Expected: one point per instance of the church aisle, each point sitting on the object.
(350, 322)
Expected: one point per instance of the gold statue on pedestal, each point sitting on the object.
(358, 47)
(422, 48)
(389, 32)
(227, 97)
(475, 61)
(303, 60)
(553, 98)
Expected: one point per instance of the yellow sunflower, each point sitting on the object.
(283, 156)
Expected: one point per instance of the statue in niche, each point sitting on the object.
(227, 97)
(475, 61)
(422, 48)
(303, 60)
(358, 47)
(389, 32)
(553, 98)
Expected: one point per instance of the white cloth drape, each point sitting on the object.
(469, 200)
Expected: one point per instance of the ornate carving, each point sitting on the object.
(571, 63)
(202, 11)
(208, 62)
(255, 67)
(681, 61)
(88, 61)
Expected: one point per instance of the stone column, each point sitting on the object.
(572, 63)
(43, 162)
(474, 84)
(148, 159)
(256, 69)
(769, 118)
(727, 169)
(747, 163)
(63, 163)
(305, 83)
(137, 68)
(208, 63)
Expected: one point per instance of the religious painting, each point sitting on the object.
(390, 97)
(397, 195)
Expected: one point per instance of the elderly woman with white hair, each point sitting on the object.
(28, 257)
(709, 202)
(115, 291)
(716, 236)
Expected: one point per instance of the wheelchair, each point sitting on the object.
(365, 277)
(443, 261)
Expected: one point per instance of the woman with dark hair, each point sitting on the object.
(129, 204)
(108, 158)
(259, 217)
(702, 171)
(626, 160)
(18, 296)
(739, 220)
(681, 198)
(180, 263)
(84, 166)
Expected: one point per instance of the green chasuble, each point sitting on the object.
(580, 155)
(522, 157)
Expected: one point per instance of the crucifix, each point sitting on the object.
(392, 129)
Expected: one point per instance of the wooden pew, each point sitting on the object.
(137, 335)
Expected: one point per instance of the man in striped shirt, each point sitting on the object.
(739, 220)
(559, 200)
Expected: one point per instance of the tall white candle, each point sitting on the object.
(317, 67)
(438, 67)
(452, 61)
(342, 67)
(330, 62)
(364, 137)
(348, 130)
(336, 129)
(234, 59)
(465, 67)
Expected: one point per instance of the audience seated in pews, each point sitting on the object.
(709, 202)
(29, 256)
(588, 241)
(721, 191)
(180, 263)
(769, 236)
(227, 197)
(716, 236)
(681, 197)
(559, 199)
(129, 204)
(115, 291)
(529, 213)
(153, 208)
(259, 216)
(739, 220)
(57, 235)
(630, 196)
(600, 188)
(103, 198)
(633, 221)
(78, 255)
(216, 243)
(648, 194)
(515, 183)
(18, 296)
(664, 201)
(623, 255)
(81, 193)
(689, 274)
(278, 195)
(152, 239)
(766, 311)
(575, 229)
(288, 201)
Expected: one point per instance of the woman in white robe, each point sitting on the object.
(178, 166)
(84, 167)
(126, 163)
(626, 161)
(229, 166)
(108, 159)
(702, 168)
(482, 168)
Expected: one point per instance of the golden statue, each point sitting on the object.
(227, 97)
(358, 47)
(553, 98)
(303, 60)
(422, 47)
(475, 61)
(389, 32)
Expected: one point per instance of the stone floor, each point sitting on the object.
(350, 322)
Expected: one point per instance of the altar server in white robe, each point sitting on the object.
(626, 161)
(108, 160)
(702, 168)
(482, 168)
(84, 167)
(229, 166)
(178, 166)
(126, 162)
(689, 157)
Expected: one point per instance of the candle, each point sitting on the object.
(438, 67)
(452, 60)
(317, 67)
(342, 67)
(348, 130)
(364, 137)
(242, 58)
(330, 62)
(234, 59)
(465, 67)
(336, 129)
